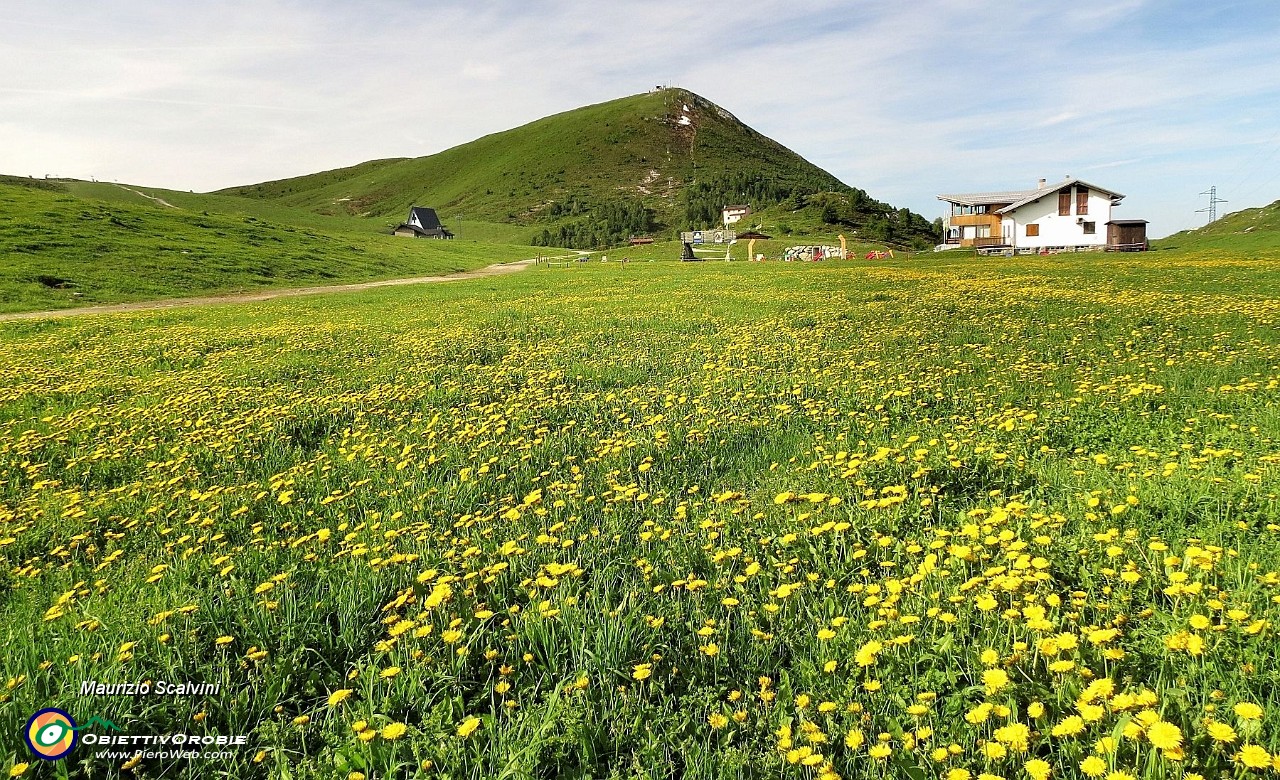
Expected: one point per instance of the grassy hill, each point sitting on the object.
(591, 177)
(61, 249)
(1247, 230)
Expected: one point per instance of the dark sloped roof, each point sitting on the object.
(426, 217)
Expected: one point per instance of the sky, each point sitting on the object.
(906, 99)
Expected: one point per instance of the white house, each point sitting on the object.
(1071, 214)
(422, 223)
(731, 214)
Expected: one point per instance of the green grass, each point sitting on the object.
(975, 485)
(61, 250)
(202, 203)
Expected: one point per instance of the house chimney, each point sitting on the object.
(1040, 184)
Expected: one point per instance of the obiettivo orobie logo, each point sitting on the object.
(51, 734)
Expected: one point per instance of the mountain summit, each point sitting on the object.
(667, 159)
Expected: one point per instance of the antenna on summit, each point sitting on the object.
(1214, 200)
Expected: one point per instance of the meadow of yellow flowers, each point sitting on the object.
(992, 519)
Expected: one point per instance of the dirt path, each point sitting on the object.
(497, 269)
(161, 201)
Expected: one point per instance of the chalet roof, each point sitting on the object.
(986, 198)
(1127, 222)
(1049, 189)
(425, 217)
(734, 208)
(1013, 199)
(406, 225)
(430, 232)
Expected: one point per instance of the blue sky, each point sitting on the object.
(1158, 100)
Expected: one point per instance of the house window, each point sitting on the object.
(984, 231)
(1033, 230)
(1064, 203)
(1090, 228)
(1082, 200)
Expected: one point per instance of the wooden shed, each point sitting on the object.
(1127, 235)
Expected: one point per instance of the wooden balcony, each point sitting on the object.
(963, 220)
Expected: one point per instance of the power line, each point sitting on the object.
(1214, 200)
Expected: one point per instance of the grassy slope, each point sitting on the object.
(61, 250)
(1247, 230)
(605, 150)
(1025, 397)
(469, 229)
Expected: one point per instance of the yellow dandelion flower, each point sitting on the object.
(468, 726)
(1165, 736)
(1093, 767)
(337, 697)
(1254, 757)
(1247, 711)
(1037, 769)
(866, 655)
(995, 680)
(1220, 732)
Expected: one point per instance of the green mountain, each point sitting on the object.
(590, 177)
(1247, 229)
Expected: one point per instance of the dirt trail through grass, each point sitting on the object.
(265, 295)
(161, 201)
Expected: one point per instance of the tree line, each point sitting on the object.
(595, 225)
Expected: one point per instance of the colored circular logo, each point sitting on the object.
(51, 733)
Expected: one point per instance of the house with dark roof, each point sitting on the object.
(1063, 215)
(422, 223)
